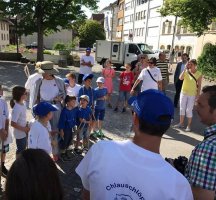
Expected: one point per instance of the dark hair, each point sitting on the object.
(69, 98)
(152, 129)
(185, 54)
(193, 61)
(154, 60)
(17, 93)
(33, 176)
(211, 91)
(71, 75)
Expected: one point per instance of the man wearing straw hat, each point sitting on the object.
(50, 89)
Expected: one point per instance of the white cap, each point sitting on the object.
(100, 80)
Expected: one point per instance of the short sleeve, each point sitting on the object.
(140, 77)
(28, 83)
(15, 114)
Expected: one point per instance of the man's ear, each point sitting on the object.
(135, 119)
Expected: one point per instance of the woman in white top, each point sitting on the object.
(151, 77)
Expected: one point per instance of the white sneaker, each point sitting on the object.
(178, 126)
(188, 129)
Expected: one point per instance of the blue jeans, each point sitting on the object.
(21, 145)
(65, 143)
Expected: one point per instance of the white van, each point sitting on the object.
(120, 52)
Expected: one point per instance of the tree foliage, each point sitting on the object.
(44, 16)
(195, 14)
(89, 32)
(207, 62)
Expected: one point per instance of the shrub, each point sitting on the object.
(207, 62)
(59, 46)
(47, 52)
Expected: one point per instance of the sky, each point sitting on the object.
(101, 5)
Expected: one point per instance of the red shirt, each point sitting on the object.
(126, 80)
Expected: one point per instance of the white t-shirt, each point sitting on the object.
(48, 90)
(117, 170)
(148, 83)
(39, 137)
(18, 116)
(74, 91)
(86, 69)
(29, 85)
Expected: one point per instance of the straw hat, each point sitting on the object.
(47, 67)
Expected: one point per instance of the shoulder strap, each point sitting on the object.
(151, 76)
(193, 77)
(38, 96)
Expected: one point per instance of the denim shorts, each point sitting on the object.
(124, 95)
(99, 114)
(21, 144)
(83, 134)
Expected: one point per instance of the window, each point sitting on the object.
(120, 21)
(2, 37)
(128, 6)
(115, 48)
(133, 49)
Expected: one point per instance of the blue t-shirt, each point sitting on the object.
(100, 104)
(84, 113)
(89, 92)
(68, 118)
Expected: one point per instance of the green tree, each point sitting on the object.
(207, 62)
(195, 14)
(44, 16)
(89, 32)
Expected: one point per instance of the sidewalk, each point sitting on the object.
(116, 126)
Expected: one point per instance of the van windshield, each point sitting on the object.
(145, 48)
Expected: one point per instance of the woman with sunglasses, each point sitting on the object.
(189, 92)
(151, 77)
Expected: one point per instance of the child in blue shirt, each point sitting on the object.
(100, 103)
(84, 121)
(67, 123)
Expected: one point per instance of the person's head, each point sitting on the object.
(87, 79)
(100, 82)
(153, 112)
(162, 56)
(206, 105)
(152, 62)
(88, 51)
(143, 58)
(70, 101)
(84, 100)
(44, 110)
(192, 64)
(19, 95)
(71, 78)
(185, 57)
(108, 63)
(33, 175)
(47, 70)
(128, 66)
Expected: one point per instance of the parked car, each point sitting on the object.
(33, 45)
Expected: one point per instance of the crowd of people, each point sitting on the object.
(63, 108)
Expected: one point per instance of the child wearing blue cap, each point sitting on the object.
(100, 103)
(84, 121)
(39, 134)
(67, 123)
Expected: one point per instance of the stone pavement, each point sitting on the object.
(116, 126)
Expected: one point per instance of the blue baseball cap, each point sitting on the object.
(66, 81)
(88, 49)
(152, 104)
(87, 76)
(43, 108)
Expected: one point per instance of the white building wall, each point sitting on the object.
(4, 34)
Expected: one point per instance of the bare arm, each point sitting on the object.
(85, 194)
(134, 86)
(199, 82)
(21, 128)
(202, 194)
(160, 85)
(181, 77)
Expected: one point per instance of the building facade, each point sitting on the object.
(4, 33)
(120, 21)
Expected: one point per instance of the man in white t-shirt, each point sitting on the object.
(86, 64)
(151, 77)
(135, 169)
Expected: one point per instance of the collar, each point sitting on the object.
(209, 131)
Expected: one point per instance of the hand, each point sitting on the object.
(26, 130)
(132, 91)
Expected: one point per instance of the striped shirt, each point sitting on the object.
(201, 168)
(163, 66)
